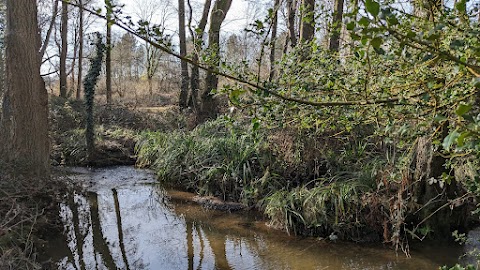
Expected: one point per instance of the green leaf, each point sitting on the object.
(364, 21)
(350, 26)
(463, 109)
(376, 42)
(462, 137)
(439, 118)
(372, 7)
(450, 140)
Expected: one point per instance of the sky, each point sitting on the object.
(236, 20)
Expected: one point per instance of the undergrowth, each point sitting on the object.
(28, 215)
(229, 160)
(213, 159)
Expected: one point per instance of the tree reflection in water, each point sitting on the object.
(121, 224)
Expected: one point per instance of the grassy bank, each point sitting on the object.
(307, 184)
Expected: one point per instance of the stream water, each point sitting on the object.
(126, 221)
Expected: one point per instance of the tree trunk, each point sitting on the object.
(291, 8)
(209, 104)
(307, 26)
(273, 40)
(80, 51)
(183, 52)
(24, 125)
(336, 26)
(197, 35)
(72, 68)
(63, 50)
(108, 62)
(43, 49)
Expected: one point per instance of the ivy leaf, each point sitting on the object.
(364, 21)
(450, 140)
(376, 42)
(462, 137)
(463, 109)
(372, 7)
(350, 26)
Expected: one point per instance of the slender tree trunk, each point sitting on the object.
(80, 51)
(291, 8)
(63, 52)
(307, 26)
(74, 60)
(43, 49)
(197, 35)
(273, 40)
(209, 104)
(24, 126)
(183, 52)
(108, 63)
(150, 85)
(336, 26)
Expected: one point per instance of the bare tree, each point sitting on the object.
(45, 43)
(80, 49)
(63, 50)
(273, 39)
(197, 38)
(183, 52)
(209, 104)
(108, 60)
(152, 12)
(24, 122)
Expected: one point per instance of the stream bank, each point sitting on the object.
(125, 220)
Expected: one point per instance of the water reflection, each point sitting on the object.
(121, 224)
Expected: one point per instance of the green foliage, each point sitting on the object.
(330, 205)
(215, 158)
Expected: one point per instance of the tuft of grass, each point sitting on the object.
(330, 205)
(214, 159)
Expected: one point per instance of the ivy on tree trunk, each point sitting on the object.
(89, 87)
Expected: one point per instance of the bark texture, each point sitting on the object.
(24, 125)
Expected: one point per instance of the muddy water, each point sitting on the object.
(125, 221)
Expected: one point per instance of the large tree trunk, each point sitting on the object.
(80, 50)
(108, 62)
(307, 26)
(336, 26)
(24, 125)
(63, 50)
(197, 35)
(209, 104)
(183, 52)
